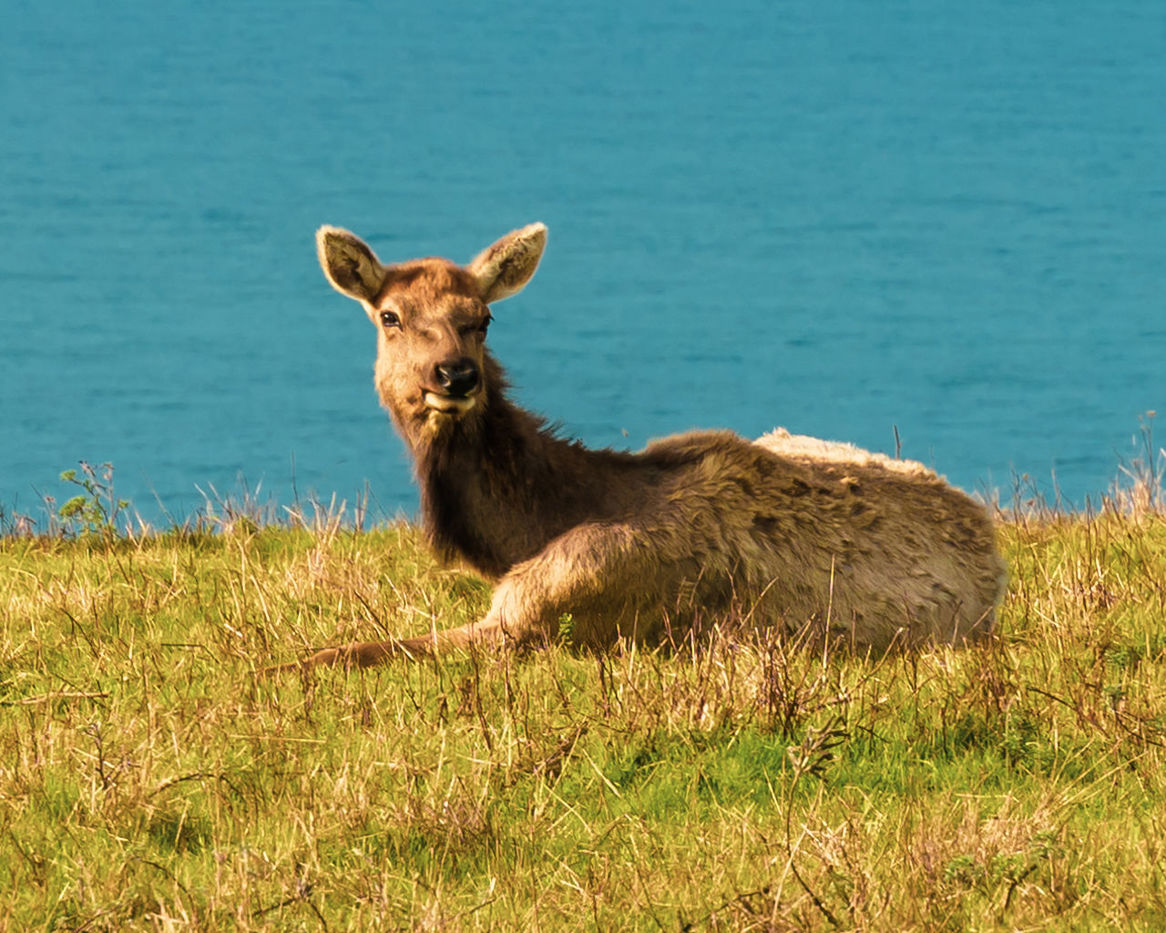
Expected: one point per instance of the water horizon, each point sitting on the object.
(847, 221)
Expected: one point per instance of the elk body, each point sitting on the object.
(790, 531)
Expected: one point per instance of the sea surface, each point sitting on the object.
(942, 219)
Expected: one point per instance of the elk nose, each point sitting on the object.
(459, 378)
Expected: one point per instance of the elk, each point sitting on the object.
(807, 535)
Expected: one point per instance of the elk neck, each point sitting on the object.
(498, 485)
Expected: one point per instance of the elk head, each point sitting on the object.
(431, 316)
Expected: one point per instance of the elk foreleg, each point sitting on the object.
(371, 653)
(599, 574)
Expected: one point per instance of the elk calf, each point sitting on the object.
(793, 531)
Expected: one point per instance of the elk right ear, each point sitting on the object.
(504, 269)
(349, 264)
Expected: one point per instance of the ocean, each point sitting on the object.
(941, 223)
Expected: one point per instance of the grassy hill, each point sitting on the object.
(150, 780)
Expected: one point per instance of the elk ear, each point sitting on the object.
(504, 269)
(349, 264)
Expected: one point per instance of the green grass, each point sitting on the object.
(149, 779)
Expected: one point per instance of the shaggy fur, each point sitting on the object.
(793, 531)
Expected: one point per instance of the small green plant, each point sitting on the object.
(97, 509)
(566, 628)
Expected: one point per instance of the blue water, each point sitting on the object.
(842, 218)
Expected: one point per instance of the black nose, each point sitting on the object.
(459, 378)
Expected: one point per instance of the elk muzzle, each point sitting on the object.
(459, 382)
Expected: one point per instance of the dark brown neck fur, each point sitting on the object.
(498, 485)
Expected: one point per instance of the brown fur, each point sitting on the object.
(793, 531)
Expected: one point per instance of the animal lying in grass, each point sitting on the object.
(788, 531)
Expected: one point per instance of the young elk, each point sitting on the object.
(792, 531)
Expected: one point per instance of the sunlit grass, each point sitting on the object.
(150, 780)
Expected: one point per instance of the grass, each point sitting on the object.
(149, 779)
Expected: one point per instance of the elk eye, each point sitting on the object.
(390, 319)
(485, 325)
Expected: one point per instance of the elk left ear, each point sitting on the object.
(504, 269)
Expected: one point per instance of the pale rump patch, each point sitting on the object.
(814, 449)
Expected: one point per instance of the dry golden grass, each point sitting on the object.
(149, 780)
